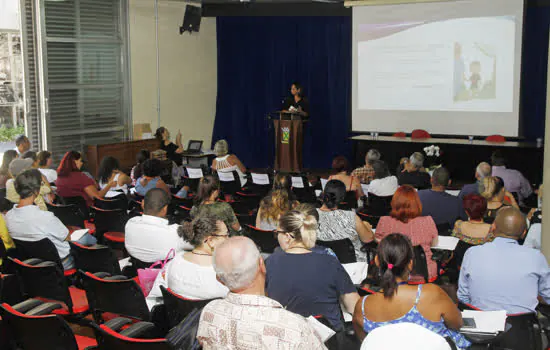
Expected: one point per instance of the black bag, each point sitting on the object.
(184, 335)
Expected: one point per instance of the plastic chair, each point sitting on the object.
(115, 296)
(420, 134)
(343, 248)
(95, 259)
(265, 240)
(178, 307)
(39, 332)
(495, 138)
(43, 249)
(108, 338)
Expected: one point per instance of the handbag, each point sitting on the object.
(148, 276)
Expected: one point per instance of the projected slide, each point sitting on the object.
(459, 64)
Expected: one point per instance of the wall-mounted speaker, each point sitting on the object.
(192, 19)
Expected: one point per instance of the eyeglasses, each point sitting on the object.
(215, 235)
(278, 232)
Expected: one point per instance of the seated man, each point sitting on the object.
(26, 222)
(413, 174)
(503, 275)
(444, 208)
(483, 170)
(149, 238)
(514, 181)
(365, 174)
(246, 318)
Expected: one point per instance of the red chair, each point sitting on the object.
(400, 134)
(420, 134)
(109, 338)
(43, 331)
(495, 138)
(178, 307)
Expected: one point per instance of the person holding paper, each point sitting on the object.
(426, 305)
(296, 103)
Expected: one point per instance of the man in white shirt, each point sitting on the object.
(149, 238)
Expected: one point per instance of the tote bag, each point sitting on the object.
(147, 276)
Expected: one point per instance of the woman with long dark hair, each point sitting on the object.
(45, 166)
(173, 151)
(426, 304)
(150, 178)
(9, 155)
(137, 170)
(206, 203)
(276, 203)
(109, 171)
(297, 102)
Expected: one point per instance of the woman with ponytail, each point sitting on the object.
(191, 274)
(304, 282)
(276, 203)
(398, 302)
(336, 224)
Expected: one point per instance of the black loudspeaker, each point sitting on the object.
(192, 19)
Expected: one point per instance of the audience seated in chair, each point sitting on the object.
(383, 183)
(137, 170)
(150, 237)
(109, 172)
(503, 275)
(72, 182)
(293, 277)
(514, 181)
(5, 237)
(45, 162)
(444, 208)
(190, 274)
(277, 202)
(32, 156)
(413, 172)
(26, 222)
(17, 166)
(483, 170)
(340, 167)
(239, 266)
(226, 162)
(406, 218)
(336, 224)
(426, 305)
(151, 178)
(9, 155)
(207, 203)
(492, 189)
(533, 238)
(366, 173)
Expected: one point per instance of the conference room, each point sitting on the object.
(264, 174)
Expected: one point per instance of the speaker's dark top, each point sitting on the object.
(290, 102)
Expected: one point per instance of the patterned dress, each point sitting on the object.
(340, 224)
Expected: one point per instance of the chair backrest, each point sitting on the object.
(109, 221)
(343, 248)
(38, 332)
(45, 280)
(43, 249)
(80, 203)
(108, 339)
(5, 204)
(495, 138)
(114, 203)
(377, 205)
(350, 201)
(95, 259)
(420, 264)
(265, 240)
(444, 229)
(69, 214)
(178, 307)
(408, 336)
(10, 291)
(229, 182)
(122, 297)
(420, 134)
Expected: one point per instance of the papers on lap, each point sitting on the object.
(446, 243)
(78, 234)
(489, 322)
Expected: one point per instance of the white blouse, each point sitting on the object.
(114, 191)
(384, 187)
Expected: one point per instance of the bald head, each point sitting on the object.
(236, 262)
(510, 222)
(483, 170)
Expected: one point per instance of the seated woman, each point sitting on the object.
(206, 203)
(9, 155)
(336, 224)
(173, 151)
(109, 172)
(276, 203)
(426, 305)
(45, 166)
(137, 170)
(17, 166)
(191, 274)
(384, 184)
(492, 189)
(341, 168)
(72, 182)
(405, 218)
(31, 155)
(5, 236)
(294, 278)
(226, 162)
(27, 222)
(150, 178)
(474, 231)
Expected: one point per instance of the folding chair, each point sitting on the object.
(193, 177)
(43, 249)
(178, 307)
(95, 259)
(108, 337)
(302, 190)
(260, 184)
(39, 331)
(343, 248)
(265, 240)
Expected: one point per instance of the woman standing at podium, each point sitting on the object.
(296, 103)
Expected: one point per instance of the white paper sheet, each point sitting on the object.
(195, 173)
(260, 179)
(453, 192)
(318, 193)
(124, 262)
(323, 183)
(226, 176)
(446, 243)
(78, 234)
(365, 189)
(486, 321)
(357, 271)
(324, 332)
(297, 182)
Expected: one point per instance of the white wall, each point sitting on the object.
(188, 70)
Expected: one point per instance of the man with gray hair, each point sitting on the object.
(246, 318)
(414, 174)
(365, 174)
(483, 170)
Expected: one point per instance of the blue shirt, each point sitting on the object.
(308, 284)
(142, 190)
(441, 206)
(502, 275)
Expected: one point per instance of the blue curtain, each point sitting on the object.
(258, 59)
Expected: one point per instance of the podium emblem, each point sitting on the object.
(286, 135)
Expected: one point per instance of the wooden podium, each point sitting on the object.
(289, 140)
